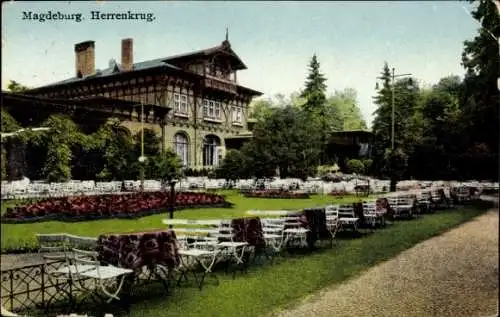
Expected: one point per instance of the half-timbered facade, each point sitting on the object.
(207, 105)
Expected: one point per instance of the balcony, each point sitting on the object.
(221, 84)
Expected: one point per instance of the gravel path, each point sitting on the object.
(12, 261)
(455, 274)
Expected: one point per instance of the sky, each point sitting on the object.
(276, 40)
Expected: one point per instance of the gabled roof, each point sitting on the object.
(115, 69)
(168, 62)
(224, 48)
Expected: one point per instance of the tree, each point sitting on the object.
(118, 153)
(315, 88)
(294, 99)
(260, 109)
(16, 87)
(259, 160)
(293, 146)
(406, 101)
(167, 166)
(9, 124)
(151, 143)
(233, 166)
(315, 109)
(481, 60)
(436, 131)
(382, 121)
(59, 140)
(355, 166)
(343, 112)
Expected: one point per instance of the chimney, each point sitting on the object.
(127, 55)
(85, 58)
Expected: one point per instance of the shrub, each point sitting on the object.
(355, 166)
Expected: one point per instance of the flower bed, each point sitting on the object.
(338, 193)
(132, 205)
(275, 194)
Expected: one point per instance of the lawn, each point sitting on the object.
(269, 288)
(21, 237)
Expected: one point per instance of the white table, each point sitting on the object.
(190, 257)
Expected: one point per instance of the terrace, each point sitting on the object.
(267, 283)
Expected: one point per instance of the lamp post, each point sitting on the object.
(142, 158)
(171, 208)
(393, 100)
(172, 183)
(393, 103)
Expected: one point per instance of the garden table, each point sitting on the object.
(247, 230)
(157, 251)
(190, 257)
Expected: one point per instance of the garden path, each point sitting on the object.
(12, 261)
(454, 274)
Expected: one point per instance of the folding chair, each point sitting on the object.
(101, 277)
(372, 217)
(402, 206)
(197, 248)
(295, 233)
(273, 234)
(347, 217)
(60, 276)
(332, 221)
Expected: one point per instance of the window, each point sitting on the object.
(181, 147)
(211, 151)
(217, 110)
(184, 104)
(212, 110)
(177, 103)
(180, 104)
(237, 115)
(205, 108)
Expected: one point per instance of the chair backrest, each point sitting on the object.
(52, 242)
(225, 232)
(369, 208)
(85, 261)
(194, 229)
(292, 221)
(346, 211)
(272, 225)
(80, 242)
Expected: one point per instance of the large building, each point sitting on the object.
(193, 101)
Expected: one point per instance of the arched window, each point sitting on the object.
(181, 146)
(211, 151)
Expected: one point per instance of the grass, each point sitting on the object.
(269, 288)
(21, 237)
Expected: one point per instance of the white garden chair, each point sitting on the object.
(401, 206)
(273, 233)
(109, 279)
(196, 247)
(347, 217)
(295, 234)
(371, 215)
(332, 220)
